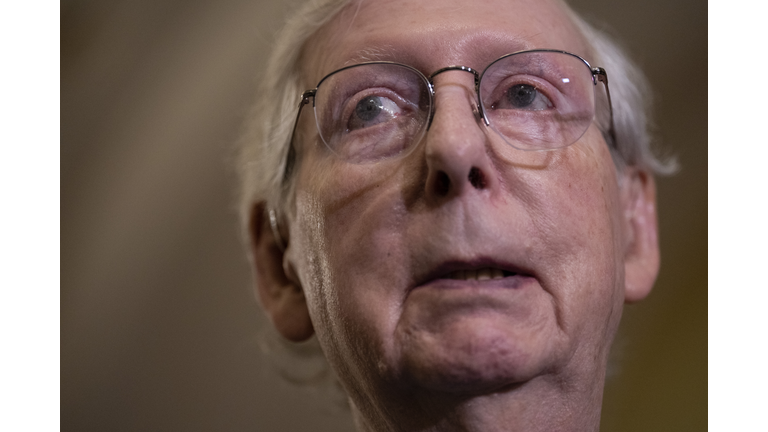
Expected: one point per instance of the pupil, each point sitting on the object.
(521, 95)
(368, 108)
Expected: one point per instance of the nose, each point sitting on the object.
(456, 147)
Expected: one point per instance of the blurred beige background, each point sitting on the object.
(159, 326)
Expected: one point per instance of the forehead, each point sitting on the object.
(431, 34)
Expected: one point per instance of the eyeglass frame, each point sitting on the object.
(598, 75)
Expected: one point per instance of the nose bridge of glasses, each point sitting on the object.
(476, 108)
(458, 68)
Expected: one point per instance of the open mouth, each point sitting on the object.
(486, 273)
(484, 270)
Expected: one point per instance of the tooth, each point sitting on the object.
(470, 274)
(484, 274)
(497, 274)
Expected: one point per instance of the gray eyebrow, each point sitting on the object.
(376, 53)
(481, 52)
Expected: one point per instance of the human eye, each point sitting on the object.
(538, 99)
(521, 93)
(373, 108)
(526, 96)
(372, 111)
(370, 123)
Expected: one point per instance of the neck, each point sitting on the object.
(543, 404)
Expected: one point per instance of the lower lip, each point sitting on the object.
(509, 282)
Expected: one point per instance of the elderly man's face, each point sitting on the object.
(414, 273)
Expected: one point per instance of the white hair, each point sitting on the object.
(631, 100)
(264, 149)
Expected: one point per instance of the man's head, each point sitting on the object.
(466, 266)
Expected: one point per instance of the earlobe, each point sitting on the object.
(279, 289)
(641, 257)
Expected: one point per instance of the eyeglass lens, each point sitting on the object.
(535, 100)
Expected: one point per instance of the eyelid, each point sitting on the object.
(545, 87)
(350, 104)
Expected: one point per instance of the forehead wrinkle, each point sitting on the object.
(474, 49)
(430, 46)
(478, 49)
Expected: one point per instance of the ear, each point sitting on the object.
(279, 289)
(641, 254)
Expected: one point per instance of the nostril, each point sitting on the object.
(476, 178)
(442, 184)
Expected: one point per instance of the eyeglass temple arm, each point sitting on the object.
(289, 161)
(601, 75)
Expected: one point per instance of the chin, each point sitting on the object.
(474, 355)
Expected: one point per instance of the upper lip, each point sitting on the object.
(443, 269)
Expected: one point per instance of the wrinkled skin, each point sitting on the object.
(370, 245)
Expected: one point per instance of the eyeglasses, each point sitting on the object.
(534, 100)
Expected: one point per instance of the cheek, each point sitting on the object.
(576, 218)
(354, 214)
(570, 205)
(348, 250)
